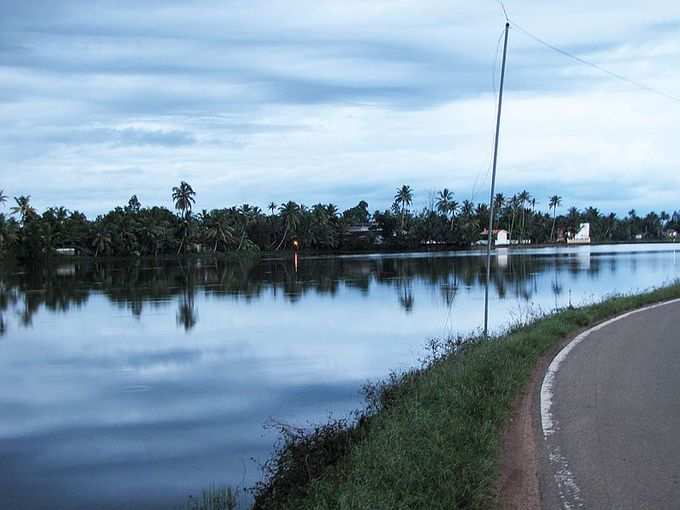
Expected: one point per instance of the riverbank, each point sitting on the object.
(236, 256)
(430, 438)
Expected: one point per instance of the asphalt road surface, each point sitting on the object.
(613, 426)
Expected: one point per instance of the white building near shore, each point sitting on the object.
(582, 236)
(500, 238)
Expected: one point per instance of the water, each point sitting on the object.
(135, 384)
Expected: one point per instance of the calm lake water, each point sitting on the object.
(135, 384)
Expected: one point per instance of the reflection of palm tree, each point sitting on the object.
(187, 317)
(557, 288)
(406, 299)
(449, 294)
(186, 314)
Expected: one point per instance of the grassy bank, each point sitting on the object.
(429, 438)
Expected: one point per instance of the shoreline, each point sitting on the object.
(234, 256)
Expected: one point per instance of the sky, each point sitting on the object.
(335, 101)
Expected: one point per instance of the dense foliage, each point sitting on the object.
(137, 230)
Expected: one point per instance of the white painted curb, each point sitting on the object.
(570, 494)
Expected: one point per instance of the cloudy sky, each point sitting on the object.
(254, 101)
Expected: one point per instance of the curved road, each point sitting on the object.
(610, 416)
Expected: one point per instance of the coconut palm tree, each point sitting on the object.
(246, 216)
(444, 199)
(220, 230)
(183, 196)
(332, 211)
(23, 208)
(513, 203)
(554, 203)
(291, 215)
(498, 203)
(3, 197)
(272, 207)
(402, 199)
(101, 242)
(524, 198)
(8, 232)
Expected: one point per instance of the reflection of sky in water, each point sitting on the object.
(106, 401)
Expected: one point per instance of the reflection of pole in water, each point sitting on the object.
(295, 261)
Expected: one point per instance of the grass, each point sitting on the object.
(215, 498)
(430, 437)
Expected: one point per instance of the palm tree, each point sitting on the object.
(573, 220)
(185, 232)
(272, 207)
(101, 242)
(3, 197)
(403, 198)
(444, 199)
(246, 215)
(183, 197)
(554, 203)
(332, 211)
(468, 208)
(23, 208)
(513, 203)
(220, 230)
(291, 215)
(8, 232)
(498, 203)
(524, 198)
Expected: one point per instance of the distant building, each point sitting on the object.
(500, 238)
(582, 236)
(70, 252)
(364, 233)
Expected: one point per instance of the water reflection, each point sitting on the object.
(131, 385)
(144, 284)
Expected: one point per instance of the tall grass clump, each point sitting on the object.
(214, 498)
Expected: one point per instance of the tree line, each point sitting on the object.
(135, 230)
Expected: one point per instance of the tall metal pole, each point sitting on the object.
(493, 187)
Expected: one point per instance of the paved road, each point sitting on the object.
(616, 418)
